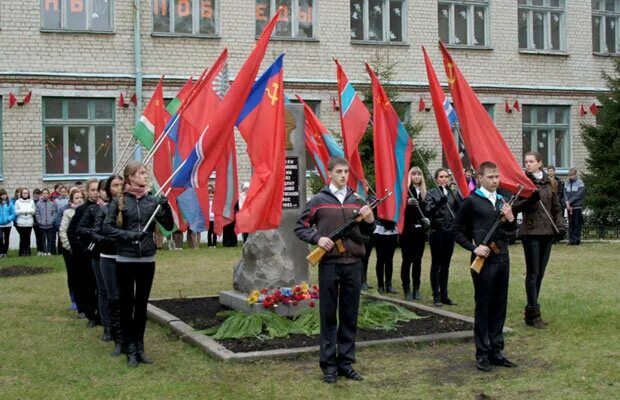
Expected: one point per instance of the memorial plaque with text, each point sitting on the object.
(290, 200)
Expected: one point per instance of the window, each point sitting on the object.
(296, 19)
(186, 17)
(463, 22)
(546, 130)
(77, 15)
(605, 20)
(541, 25)
(78, 136)
(382, 21)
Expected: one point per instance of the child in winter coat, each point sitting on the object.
(45, 216)
(24, 211)
(7, 216)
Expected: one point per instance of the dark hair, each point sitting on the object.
(45, 190)
(440, 170)
(2, 191)
(57, 186)
(108, 183)
(77, 183)
(486, 166)
(551, 167)
(36, 191)
(333, 161)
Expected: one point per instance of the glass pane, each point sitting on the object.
(304, 16)
(537, 2)
(561, 115)
(555, 31)
(263, 14)
(207, 17)
(527, 114)
(542, 144)
(541, 115)
(53, 108)
(561, 148)
(284, 26)
(182, 16)
(54, 158)
(595, 4)
(610, 35)
(596, 34)
(527, 143)
(101, 18)
(523, 29)
(78, 149)
(443, 17)
(539, 34)
(479, 26)
(76, 15)
(50, 14)
(522, 1)
(161, 16)
(103, 108)
(554, 3)
(375, 20)
(103, 149)
(609, 5)
(396, 21)
(460, 24)
(78, 108)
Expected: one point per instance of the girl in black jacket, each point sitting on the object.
(126, 221)
(441, 207)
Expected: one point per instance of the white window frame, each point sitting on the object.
(66, 123)
(534, 125)
(294, 15)
(386, 23)
(471, 4)
(604, 15)
(64, 7)
(195, 20)
(547, 10)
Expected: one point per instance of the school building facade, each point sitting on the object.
(77, 57)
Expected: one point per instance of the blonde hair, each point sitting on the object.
(130, 169)
(422, 182)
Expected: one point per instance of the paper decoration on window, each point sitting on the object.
(77, 148)
(392, 35)
(444, 13)
(480, 14)
(397, 11)
(354, 15)
(556, 18)
(463, 14)
(377, 9)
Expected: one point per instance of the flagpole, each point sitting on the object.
(148, 223)
(122, 156)
(160, 140)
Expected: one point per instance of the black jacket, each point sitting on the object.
(104, 244)
(136, 214)
(535, 220)
(413, 217)
(474, 220)
(85, 228)
(323, 214)
(437, 208)
(78, 244)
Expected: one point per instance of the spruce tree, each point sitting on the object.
(602, 140)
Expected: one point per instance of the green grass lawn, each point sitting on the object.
(46, 353)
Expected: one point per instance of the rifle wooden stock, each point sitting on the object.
(479, 261)
(317, 254)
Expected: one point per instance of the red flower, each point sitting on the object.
(263, 291)
(312, 304)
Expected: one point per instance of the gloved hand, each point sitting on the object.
(413, 202)
(138, 236)
(560, 235)
(162, 200)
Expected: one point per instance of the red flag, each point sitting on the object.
(443, 125)
(582, 110)
(354, 117)
(121, 101)
(421, 103)
(313, 129)
(261, 124)
(517, 106)
(134, 99)
(507, 107)
(392, 146)
(594, 109)
(482, 139)
(12, 100)
(27, 98)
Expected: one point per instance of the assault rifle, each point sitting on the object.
(317, 254)
(479, 261)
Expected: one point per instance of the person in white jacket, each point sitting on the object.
(24, 211)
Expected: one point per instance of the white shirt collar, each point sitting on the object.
(488, 194)
(339, 193)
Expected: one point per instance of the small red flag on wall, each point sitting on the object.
(593, 108)
(421, 105)
(134, 99)
(27, 98)
(517, 106)
(121, 101)
(12, 100)
(507, 107)
(582, 110)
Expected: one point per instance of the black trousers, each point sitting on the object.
(368, 246)
(71, 274)
(48, 237)
(24, 240)
(575, 223)
(491, 295)
(386, 247)
(134, 283)
(103, 300)
(85, 286)
(537, 249)
(211, 236)
(412, 245)
(4, 240)
(442, 247)
(38, 237)
(340, 293)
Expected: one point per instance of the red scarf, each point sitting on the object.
(138, 191)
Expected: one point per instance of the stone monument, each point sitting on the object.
(277, 258)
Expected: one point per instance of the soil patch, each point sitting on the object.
(200, 313)
(22, 270)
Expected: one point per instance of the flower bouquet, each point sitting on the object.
(287, 296)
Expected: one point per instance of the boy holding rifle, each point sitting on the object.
(473, 224)
(340, 272)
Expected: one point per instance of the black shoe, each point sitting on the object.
(142, 357)
(106, 337)
(132, 355)
(417, 295)
(350, 373)
(380, 289)
(502, 362)
(330, 377)
(391, 290)
(483, 365)
(118, 350)
(91, 323)
(408, 295)
(437, 302)
(448, 302)
(364, 286)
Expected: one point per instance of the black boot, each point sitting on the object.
(115, 327)
(142, 357)
(107, 335)
(532, 317)
(407, 293)
(132, 355)
(416, 293)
